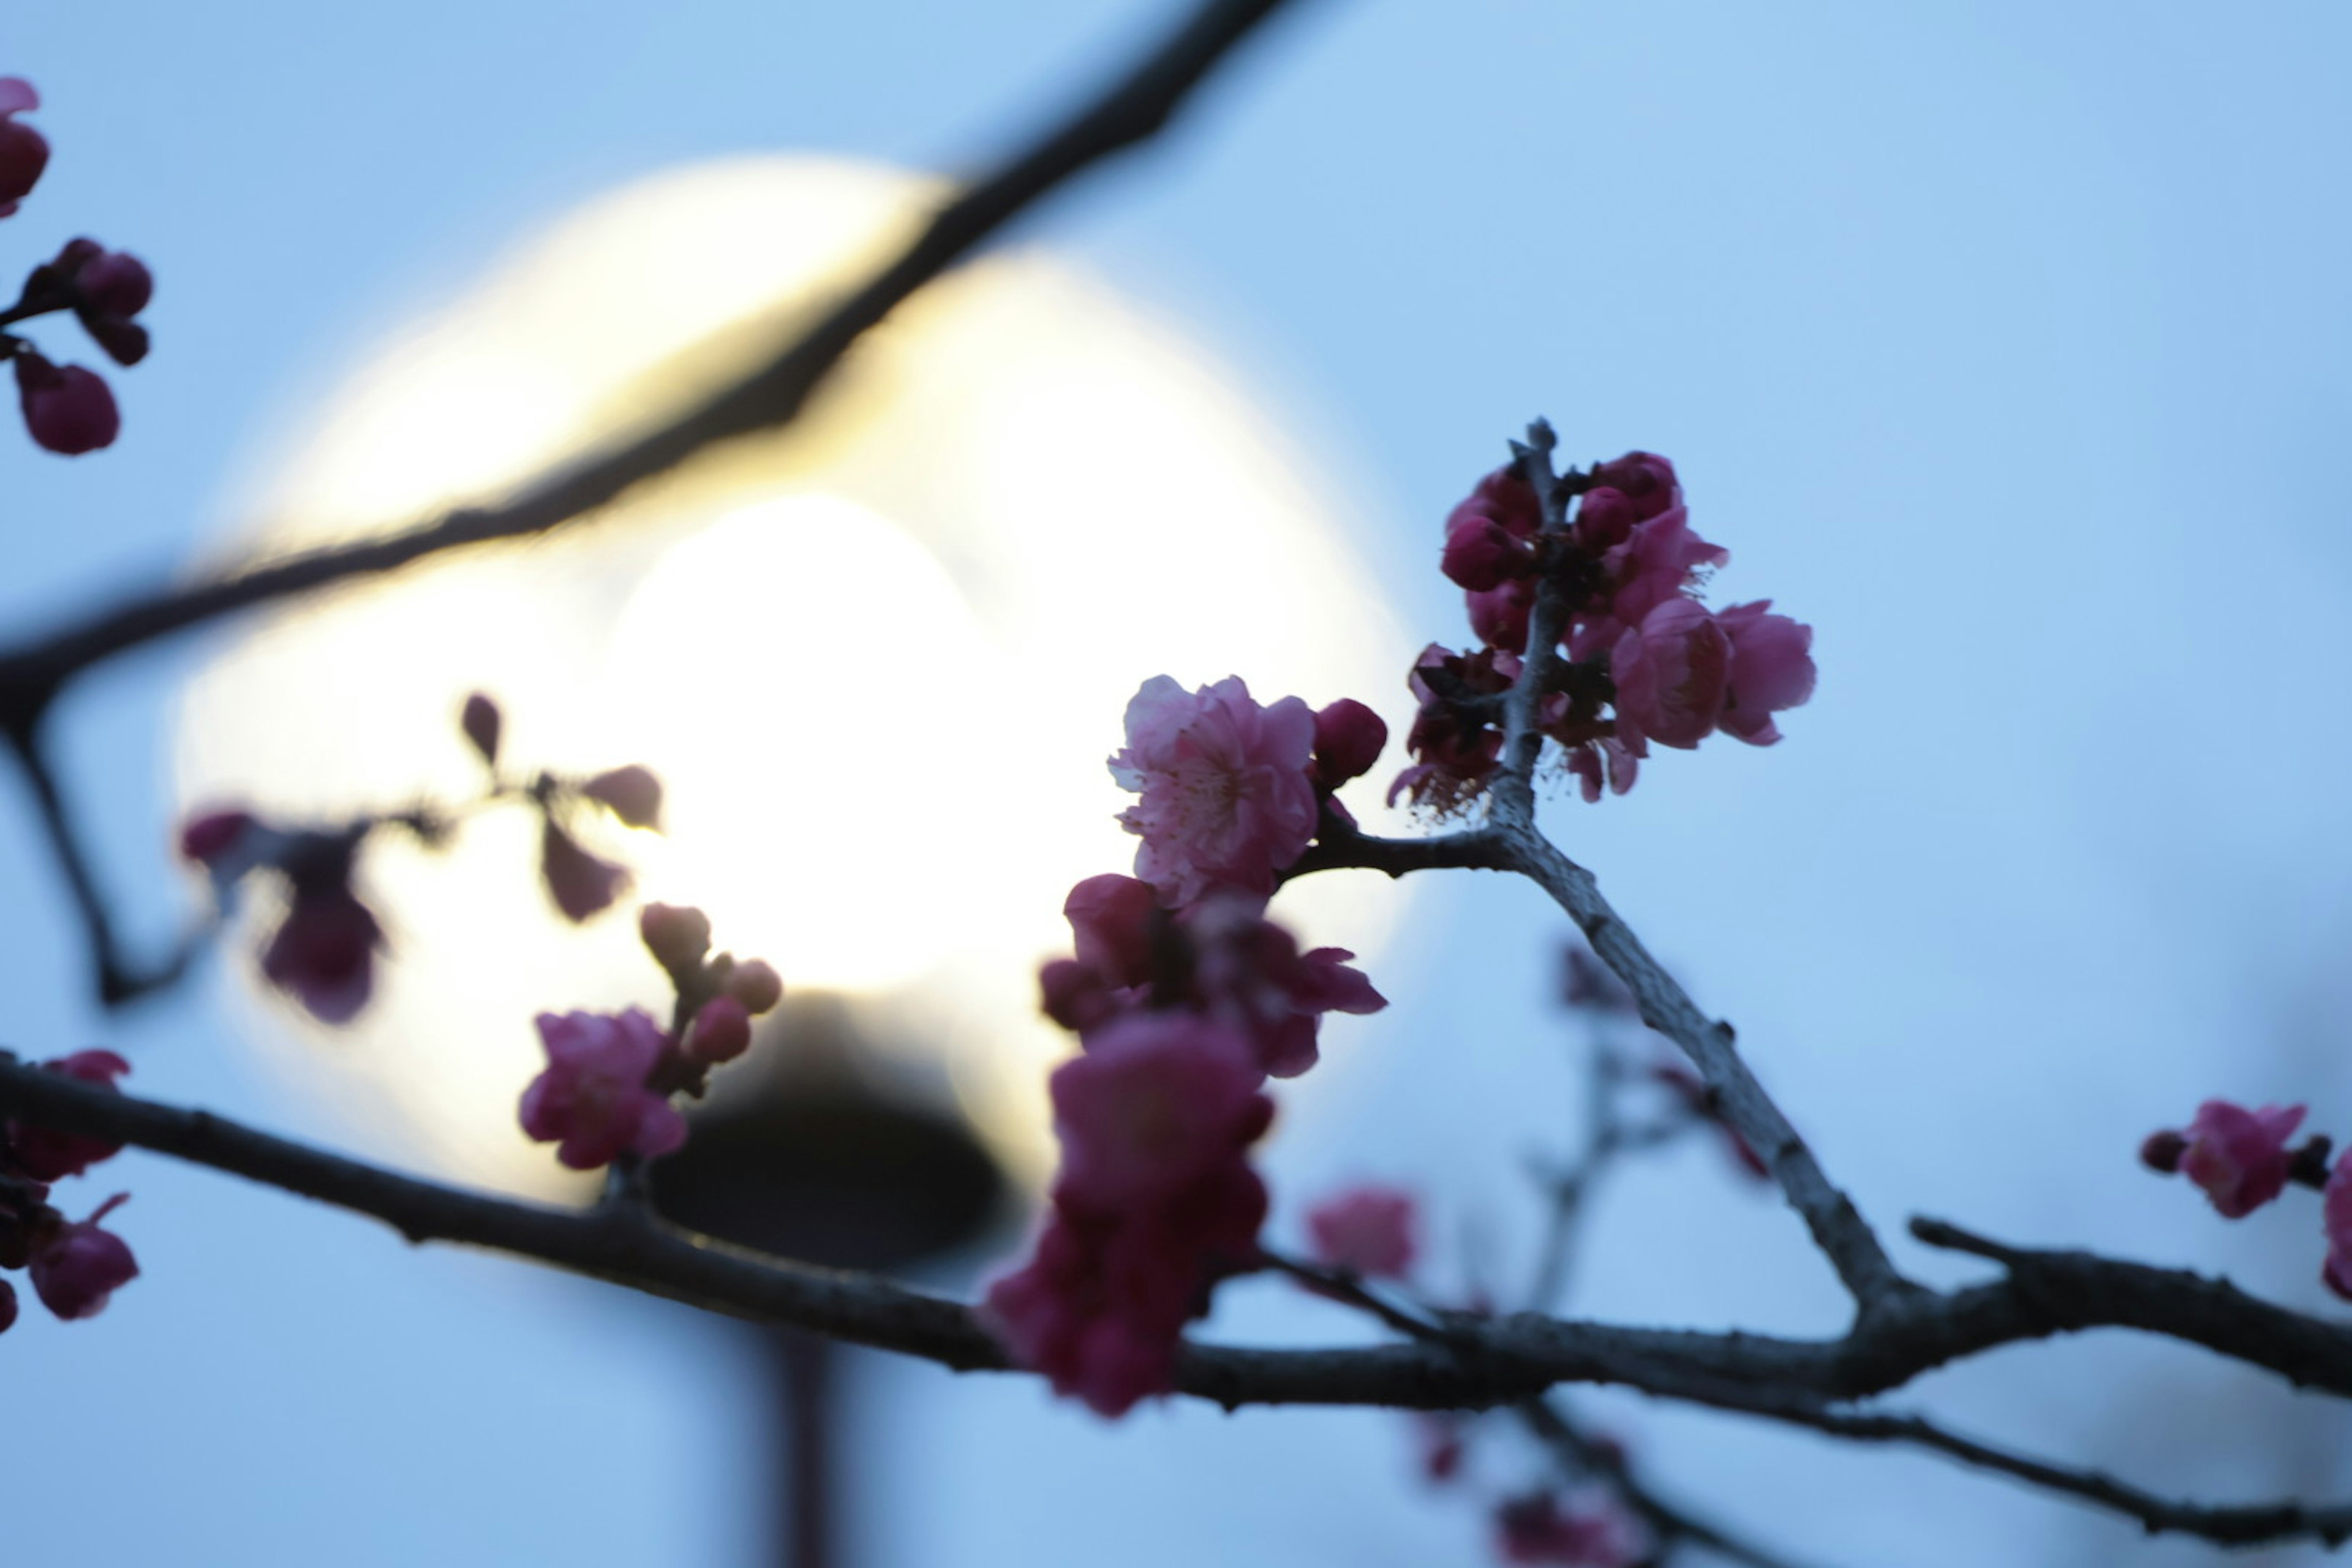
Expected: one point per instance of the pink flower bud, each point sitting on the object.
(324, 955)
(1644, 478)
(69, 409)
(80, 1267)
(1499, 617)
(632, 794)
(1481, 554)
(720, 1032)
(1603, 520)
(1367, 1229)
(2162, 1150)
(210, 838)
(678, 935)
(1348, 737)
(755, 984)
(481, 722)
(48, 1156)
(24, 152)
(581, 884)
(116, 283)
(1112, 918)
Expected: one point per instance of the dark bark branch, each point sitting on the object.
(1499, 1362)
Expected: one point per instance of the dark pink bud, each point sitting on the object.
(632, 794)
(1348, 737)
(481, 722)
(676, 935)
(48, 1155)
(324, 955)
(210, 838)
(1369, 1229)
(1112, 918)
(1644, 478)
(2162, 1151)
(67, 409)
(79, 1267)
(7, 1306)
(581, 884)
(24, 152)
(755, 984)
(720, 1032)
(1499, 617)
(1481, 554)
(1074, 996)
(2240, 1156)
(116, 283)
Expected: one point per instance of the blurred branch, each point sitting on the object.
(1131, 110)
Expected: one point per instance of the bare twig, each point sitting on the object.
(33, 672)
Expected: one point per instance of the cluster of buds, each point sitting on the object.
(2242, 1159)
(76, 1265)
(69, 408)
(323, 950)
(610, 1077)
(1637, 659)
(1185, 998)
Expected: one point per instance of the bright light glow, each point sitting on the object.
(878, 659)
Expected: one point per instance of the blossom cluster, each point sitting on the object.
(67, 408)
(1638, 660)
(1185, 999)
(610, 1078)
(76, 1265)
(2242, 1159)
(324, 950)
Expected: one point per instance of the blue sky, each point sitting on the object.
(2004, 344)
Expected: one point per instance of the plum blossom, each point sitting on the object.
(1348, 739)
(1228, 798)
(1456, 752)
(1672, 675)
(1369, 1230)
(1155, 1201)
(2238, 1156)
(2336, 1215)
(24, 152)
(77, 1266)
(46, 1154)
(593, 1101)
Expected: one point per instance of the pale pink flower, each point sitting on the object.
(2240, 1156)
(593, 1101)
(1227, 796)
(1369, 1230)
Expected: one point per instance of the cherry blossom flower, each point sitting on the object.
(1227, 796)
(78, 1267)
(48, 1155)
(24, 152)
(1771, 670)
(2335, 1214)
(1367, 1229)
(2238, 1156)
(593, 1101)
(323, 954)
(1672, 674)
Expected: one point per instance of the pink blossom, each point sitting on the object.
(1645, 480)
(212, 837)
(1671, 676)
(1348, 738)
(24, 152)
(80, 1266)
(1248, 973)
(324, 953)
(1490, 537)
(593, 1101)
(1159, 1100)
(1498, 618)
(1455, 755)
(1155, 1201)
(69, 409)
(48, 1155)
(2336, 1215)
(583, 885)
(1604, 517)
(720, 1032)
(1112, 921)
(1227, 796)
(1624, 765)
(1771, 670)
(632, 793)
(2240, 1156)
(1367, 1229)
(1658, 560)
(108, 287)
(116, 283)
